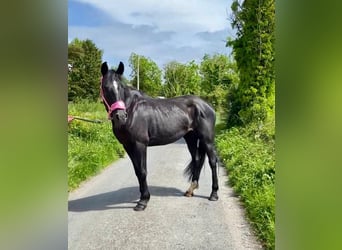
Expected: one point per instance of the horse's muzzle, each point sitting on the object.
(119, 117)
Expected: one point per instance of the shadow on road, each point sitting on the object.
(109, 200)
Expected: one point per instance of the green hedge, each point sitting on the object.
(249, 156)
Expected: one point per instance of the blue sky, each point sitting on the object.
(180, 30)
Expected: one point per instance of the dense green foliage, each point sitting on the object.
(91, 146)
(218, 77)
(212, 79)
(247, 148)
(248, 154)
(253, 49)
(150, 76)
(181, 79)
(84, 75)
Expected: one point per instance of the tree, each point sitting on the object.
(149, 75)
(253, 49)
(181, 79)
(219, 75)
(84, 76)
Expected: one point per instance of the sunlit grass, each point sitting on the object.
(91, 146)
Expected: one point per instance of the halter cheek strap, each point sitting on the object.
(118, 105)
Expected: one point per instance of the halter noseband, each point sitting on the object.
(118, 105)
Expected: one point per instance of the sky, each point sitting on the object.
(164, 31)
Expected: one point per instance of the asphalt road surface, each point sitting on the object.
(101, 214)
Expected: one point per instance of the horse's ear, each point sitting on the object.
(104, 68)
(120, 69)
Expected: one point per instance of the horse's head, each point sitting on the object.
(112, 93)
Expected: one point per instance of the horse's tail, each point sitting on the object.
(192, 169)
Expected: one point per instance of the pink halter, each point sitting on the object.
(116, 105)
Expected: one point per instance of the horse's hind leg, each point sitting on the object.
(193, 170)
(213, 162)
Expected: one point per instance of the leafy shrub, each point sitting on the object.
(248, 154)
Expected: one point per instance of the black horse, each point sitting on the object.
(140, 121)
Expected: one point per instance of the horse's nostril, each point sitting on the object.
(117, 116)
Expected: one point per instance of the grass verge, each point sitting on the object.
(91, 146)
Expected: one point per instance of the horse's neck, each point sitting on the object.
(131, 94)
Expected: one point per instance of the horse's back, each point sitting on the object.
(167, 120)
(204, 109)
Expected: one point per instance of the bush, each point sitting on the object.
(249, 156)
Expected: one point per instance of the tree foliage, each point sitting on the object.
(212, 79)
(218, 76)
(150, 76)
(181, 79)
(83, 77)
(253, 49)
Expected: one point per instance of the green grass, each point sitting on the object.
(91, 146)
(249, 156)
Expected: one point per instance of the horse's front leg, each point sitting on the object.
(137, 153)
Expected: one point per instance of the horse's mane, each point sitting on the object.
(134, 91)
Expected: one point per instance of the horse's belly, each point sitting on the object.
(167, 134)
(165, 140)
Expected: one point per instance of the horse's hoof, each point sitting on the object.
(213, 197)
(142, 204)
(188, 194)
(140, 207)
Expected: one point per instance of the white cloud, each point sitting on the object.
(180, 30)
(172, 15)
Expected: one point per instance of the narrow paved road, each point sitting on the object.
(101, 212)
